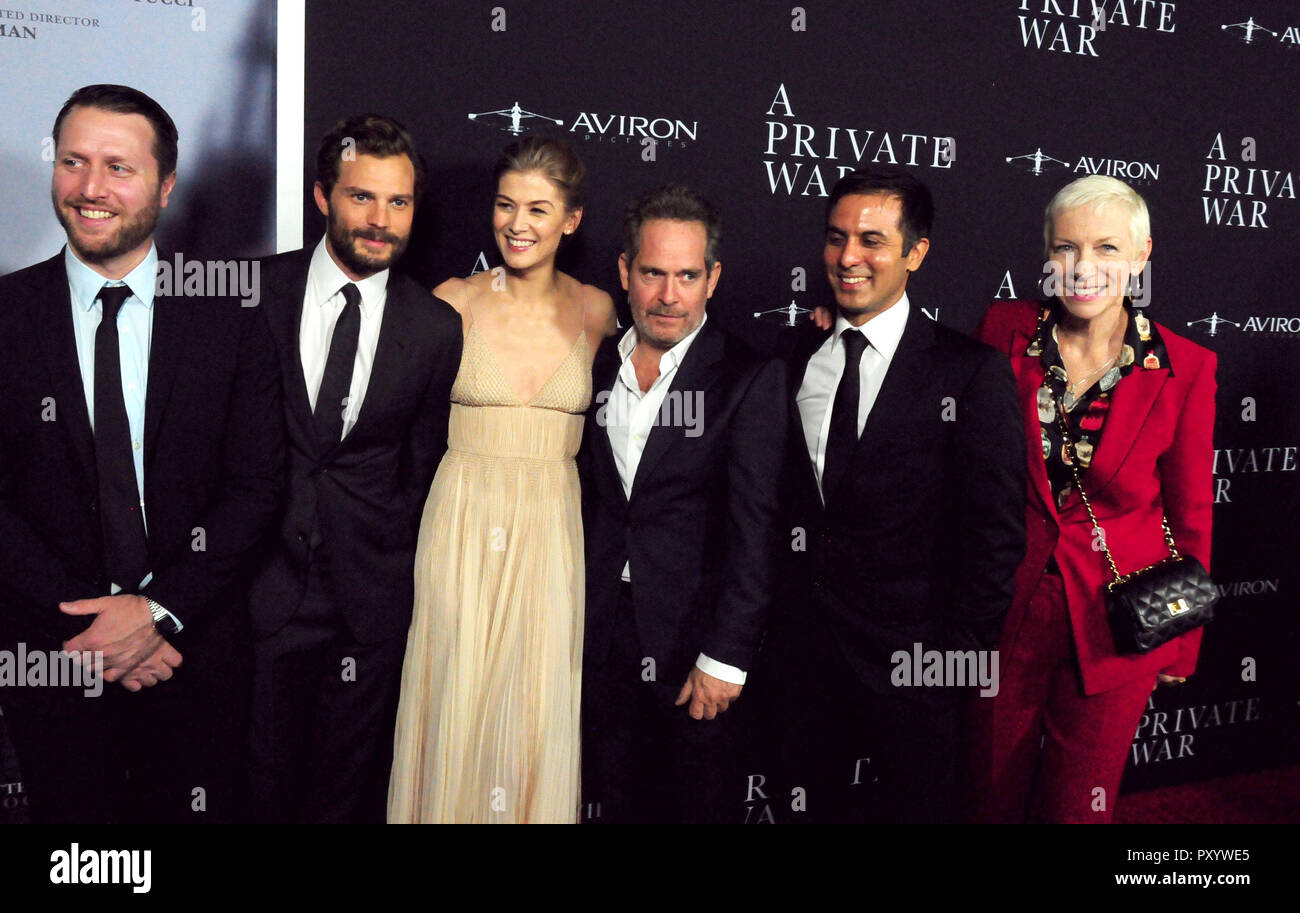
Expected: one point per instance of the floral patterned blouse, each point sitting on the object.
(1086, 416)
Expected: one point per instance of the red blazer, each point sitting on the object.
(1156, 452)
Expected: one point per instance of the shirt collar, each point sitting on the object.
(884, 331)
(325, 279)
(670, 359)
(1143, 346)
(84, 283)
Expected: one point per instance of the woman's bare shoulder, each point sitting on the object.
(460, 294)
(598, 314)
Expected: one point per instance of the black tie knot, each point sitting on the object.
(111, 298)
(351, 295)
(855, 344)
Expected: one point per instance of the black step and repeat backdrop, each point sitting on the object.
(994, 104)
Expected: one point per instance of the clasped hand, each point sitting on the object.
(123, 632)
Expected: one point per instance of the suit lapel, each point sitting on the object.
(390, 354)
(805, 462)
(697, 371)
(288, 288)
(1131, 402)
(1029, 378)
(167, 341)
(58, 344)
(604, 371)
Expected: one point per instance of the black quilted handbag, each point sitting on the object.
(1151, 606)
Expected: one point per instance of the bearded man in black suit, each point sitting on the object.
(368, 358)
(141, 458)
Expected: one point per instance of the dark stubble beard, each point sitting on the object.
(133, 231)
(342, 243)
(659, 342)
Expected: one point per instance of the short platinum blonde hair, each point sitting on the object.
(1099, 190)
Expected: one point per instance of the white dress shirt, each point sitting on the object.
(826, 366)
(321, 306)
(630, 416)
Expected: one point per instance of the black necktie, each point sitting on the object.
(843, 435)
(126, 553)
(337, 379)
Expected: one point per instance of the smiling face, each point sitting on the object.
(529, 218)
(864, 257)
(667, 283)
(106, 190)
(369, 213)
(1092, 252)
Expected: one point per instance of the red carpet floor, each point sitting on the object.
(1263, 797)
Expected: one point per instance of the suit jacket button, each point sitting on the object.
(94, 506)
(302, 537)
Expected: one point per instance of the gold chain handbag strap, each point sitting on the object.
(1101, 534)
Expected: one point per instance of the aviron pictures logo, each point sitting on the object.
(600, 127)
(1269, 326)
(1212, 323)
(1039, 162)
(1249, 29)
(514, 116)
(1036, 162)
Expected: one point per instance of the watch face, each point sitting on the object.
(161, 620)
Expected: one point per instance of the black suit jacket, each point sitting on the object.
(354, 508)
(920, 541)
(702, 527)
(213, 464)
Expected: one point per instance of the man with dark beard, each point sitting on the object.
(368, 359)
(119, 396)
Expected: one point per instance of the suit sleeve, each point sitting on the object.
(1187, 490)
(252, 468)
(989, 526)
(37, 579)
(755, 458)
(427, 438)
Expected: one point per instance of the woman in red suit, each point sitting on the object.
(1140, 407)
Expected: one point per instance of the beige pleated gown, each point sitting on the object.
(487, 722)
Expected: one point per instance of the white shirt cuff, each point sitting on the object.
(720, 670)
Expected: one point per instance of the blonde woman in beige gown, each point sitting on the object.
(487, 722)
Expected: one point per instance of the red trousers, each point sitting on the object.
(1074, 776)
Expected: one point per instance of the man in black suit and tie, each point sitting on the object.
(141, 457)
(681, 461)
(368, 359)
(908, 485)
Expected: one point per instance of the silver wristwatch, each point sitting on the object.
(162, 619)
